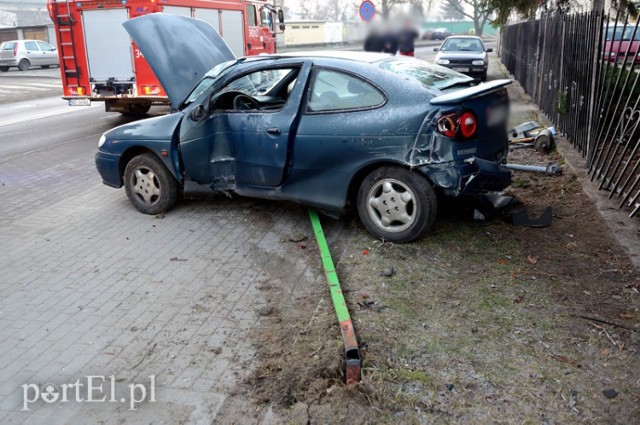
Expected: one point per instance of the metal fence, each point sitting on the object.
(583, 71)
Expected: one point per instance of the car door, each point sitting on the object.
(344, 126)
(247, 146)
(48, 53)
(33, 53)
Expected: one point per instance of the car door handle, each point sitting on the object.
(274, 130)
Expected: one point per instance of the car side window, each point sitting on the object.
(266, 19)
(258, 83)
(269, 90)
(338, 91)
(31, 45)
(45, 47)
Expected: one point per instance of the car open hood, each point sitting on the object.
(469, 93)
(180, 50)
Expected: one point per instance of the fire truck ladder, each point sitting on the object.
(69, 61)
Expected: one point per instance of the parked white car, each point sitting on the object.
(24, 54)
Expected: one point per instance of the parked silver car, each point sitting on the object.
(465, 54)
(27, 53)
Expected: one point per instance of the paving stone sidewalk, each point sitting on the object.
(92, 287)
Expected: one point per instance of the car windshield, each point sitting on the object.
(462, 45)
(209, 79)
(430, 76)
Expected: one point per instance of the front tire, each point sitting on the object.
(396, 204)
(24, 65)
(149, 185)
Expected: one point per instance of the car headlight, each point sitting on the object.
(443, 61)
(478, 62)
(103, 139)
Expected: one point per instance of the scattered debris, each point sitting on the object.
(532, 135)
(178, 259)
(371, 305)
(533, 259)
(365, 252)
(551, 169)
(521, 218)
(160, 216)
(388, 272)
(297, 237)
(567, 360)
(266, 311)
(610, 393)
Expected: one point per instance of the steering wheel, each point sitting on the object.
(242, 102)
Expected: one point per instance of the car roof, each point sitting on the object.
(369, 57)
(23, 40)
(475, 37)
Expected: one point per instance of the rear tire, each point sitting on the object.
(149, 185)
(45, 66)
(396, 204)
(24, 65)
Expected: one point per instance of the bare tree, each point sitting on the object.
(451, 10)
(480, 12)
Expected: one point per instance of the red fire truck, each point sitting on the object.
(100, 62)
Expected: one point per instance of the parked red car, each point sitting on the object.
(617, 43)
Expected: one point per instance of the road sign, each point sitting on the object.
(367, 10)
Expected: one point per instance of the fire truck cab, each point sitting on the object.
(100, 62)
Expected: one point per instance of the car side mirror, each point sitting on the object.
(281, 16)
(489, 50)
(198, 113)
(435, 49)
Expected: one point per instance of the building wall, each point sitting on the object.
(299, 33)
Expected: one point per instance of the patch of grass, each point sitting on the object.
(520, 183)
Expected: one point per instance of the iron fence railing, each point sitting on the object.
(583, 71)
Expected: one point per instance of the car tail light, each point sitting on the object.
(447, 125)
(15, 49)
(468, 124)
(77, 91)
(149, 90)
(462, 125)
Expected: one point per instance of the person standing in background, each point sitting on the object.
(406, 39)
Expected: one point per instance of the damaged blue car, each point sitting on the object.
(324, 129)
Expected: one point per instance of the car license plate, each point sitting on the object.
(80, 102)
(497, 115)
(461, 69)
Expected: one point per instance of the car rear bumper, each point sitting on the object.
(488, 176)
(8, 62)
(108, 167)
(470, 176)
